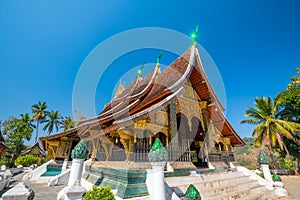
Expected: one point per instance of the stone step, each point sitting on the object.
(212, 183)
(221, 186)
(216, 190)
(227, 188)
(207, 180)
(265, 195)
(224, 175)
(238, 194)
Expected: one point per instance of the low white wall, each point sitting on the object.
(36, 173)
(61, 179)
(254, 176)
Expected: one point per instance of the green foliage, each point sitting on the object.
(44, 160)
(39, 114)
(99, 193)
(80, 151)
(158, 152)
(270, 128)
(290, 110)
(245, 149)
(16, 130)
(26, 160)
(53, 120)
(68, 123)
(286, 163)
(261, 175)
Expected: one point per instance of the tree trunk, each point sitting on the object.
(37, 130)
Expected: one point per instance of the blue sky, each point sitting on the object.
(255, 45)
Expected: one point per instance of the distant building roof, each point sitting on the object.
(37, 144)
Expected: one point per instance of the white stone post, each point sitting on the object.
(65, 165)
(156, 183)
(264, 165)
(76, 171)
(158, 156)
(266, 171)
(74, 190)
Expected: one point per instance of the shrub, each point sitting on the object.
(99, 193)
(261, 175)
(26, 160)
(44, 160)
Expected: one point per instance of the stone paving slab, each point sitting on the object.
(43, 192)
(291, 184)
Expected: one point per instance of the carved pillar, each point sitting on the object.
(126, 148)
(107, 146)
(173, 136)
(95, 144)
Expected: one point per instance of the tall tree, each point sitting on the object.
(68, 123)
(39, 114)
(25, 120)
(271, 128)
(53, 120)
(15, 132)
(290, 105)
(290, 99)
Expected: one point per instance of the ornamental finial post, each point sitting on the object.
(140, 71)
(158, 58)
(194, 35)
(262, 159)
(192, 193)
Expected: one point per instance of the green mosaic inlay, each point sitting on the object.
(192, 193)
(275, 177)
(158, 152)
(262, 159)
(80, 151)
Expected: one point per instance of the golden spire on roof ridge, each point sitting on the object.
(158, 63)
(194, 35)
(140, 72)
(120, 89)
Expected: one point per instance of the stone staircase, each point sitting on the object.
(220, 186)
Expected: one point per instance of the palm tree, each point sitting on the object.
(26, 125)
(39, 114)
(68, 123)
(270, 128)
(52, 121)
(27, 121)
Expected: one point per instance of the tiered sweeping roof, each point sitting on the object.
(157, 90)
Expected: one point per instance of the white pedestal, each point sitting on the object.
(65, 165)
(74, 190)
(279, 189)
(155, 181)
(266, 171)
(76, 171)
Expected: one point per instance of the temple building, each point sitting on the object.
(177, 105)
(59, 146)
(36, 150)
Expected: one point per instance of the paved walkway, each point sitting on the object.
(41, 191)
(292, 185)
